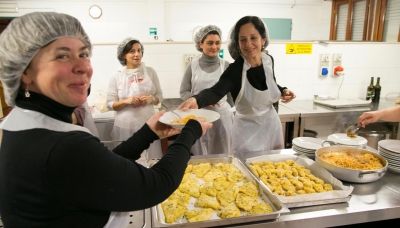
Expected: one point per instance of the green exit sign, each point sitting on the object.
(221, 53)
(153, 31)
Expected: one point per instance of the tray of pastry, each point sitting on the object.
(297, 181)
(217, 191)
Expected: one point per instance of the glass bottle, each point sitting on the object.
(377, 89)
(370, 90)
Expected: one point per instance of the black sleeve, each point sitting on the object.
(273, 73)
(230, 81)
(83, 173)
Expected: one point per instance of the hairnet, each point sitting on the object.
(24, 37)
(202, 33)
(232, 41)
(121, 46)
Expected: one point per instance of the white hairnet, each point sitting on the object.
(121, 46)
(232, 41)
(202, 33)
(24, 37)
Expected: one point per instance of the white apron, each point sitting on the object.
(256, 125)
(22, 119)
(130, 119)
(217, 139)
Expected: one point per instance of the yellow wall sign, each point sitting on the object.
(298, 48)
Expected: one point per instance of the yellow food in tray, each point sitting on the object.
(199, 215)
(352, 161)
(288, 178)
(172, 210)
(260, 208)
(211, 191)
(185, 119)
(229, 211)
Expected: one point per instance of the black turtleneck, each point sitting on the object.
(45, 105)
(59, 178)
(231, 81)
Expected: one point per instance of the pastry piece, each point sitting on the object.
(192, 190)
(245, 202)
(234, 174)
(227, 196)
(221, 166)
(201, 169)
(181, 198)
(260, 208)
(213, 174)
(208, 189)
(328, 187)
(222, 183)
(203, 214)
(249, 189)
(229, 211)
(172, 211)
(207, 201)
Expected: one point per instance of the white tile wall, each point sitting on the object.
(176, 20)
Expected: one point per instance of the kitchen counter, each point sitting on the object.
(326, 120)
(375, 201)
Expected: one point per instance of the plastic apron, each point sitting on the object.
(22, 119)
(256, 125)
(217, 139)
(130, 119)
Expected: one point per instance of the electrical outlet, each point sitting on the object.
(323, 65)
(336, 61)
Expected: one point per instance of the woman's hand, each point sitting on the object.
(162, 130)
(368, 117)
(145, 100)
(133, 100)
(190, 103)
(204, 126)
(287, 96)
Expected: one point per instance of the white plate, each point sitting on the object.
(343, 139)
(308, 142)
(390, 144)
(168, 117)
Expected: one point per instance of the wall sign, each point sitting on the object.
(298, 48)
(221, 53)
(153, 31)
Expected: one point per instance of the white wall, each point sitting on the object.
(176, 19)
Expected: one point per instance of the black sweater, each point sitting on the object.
(231, 81)
(69, 179)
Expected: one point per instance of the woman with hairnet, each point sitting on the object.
(54, 173)
(132, 92)
(201, 74)
(250, 80)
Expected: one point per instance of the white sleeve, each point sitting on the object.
(112, 94)
(154, 78)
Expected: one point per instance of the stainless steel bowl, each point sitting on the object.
(351, 175)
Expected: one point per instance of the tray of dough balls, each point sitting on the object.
(298, 181)
(217, 191)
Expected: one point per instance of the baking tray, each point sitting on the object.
(340, 194)
(267, 195)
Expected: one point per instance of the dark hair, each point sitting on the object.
(129, 45)
(211, 32)
(258, 24)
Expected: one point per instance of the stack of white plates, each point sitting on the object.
(390, 149)
(306, 145)
(343, 140)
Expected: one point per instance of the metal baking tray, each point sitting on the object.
(305, 203)
(268, 196)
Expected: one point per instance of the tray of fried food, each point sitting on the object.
(217, 191)
(298, 181)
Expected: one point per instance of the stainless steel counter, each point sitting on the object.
(338, 120)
